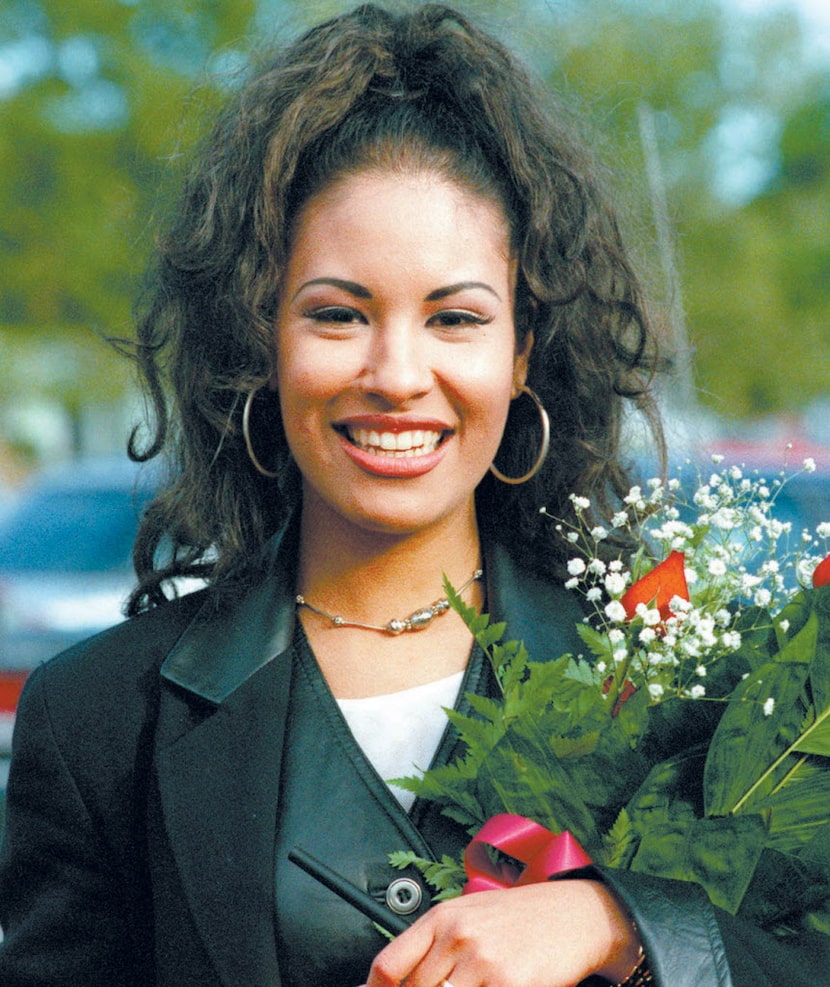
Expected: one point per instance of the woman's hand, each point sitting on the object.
(543, 935)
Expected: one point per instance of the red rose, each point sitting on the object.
(659, 587)
(821, 576)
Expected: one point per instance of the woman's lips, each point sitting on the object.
(399, 451)
(415, 442)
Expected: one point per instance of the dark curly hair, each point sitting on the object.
(424, 89)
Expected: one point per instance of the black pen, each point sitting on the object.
(348, 892)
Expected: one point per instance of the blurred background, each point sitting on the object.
(715, 115)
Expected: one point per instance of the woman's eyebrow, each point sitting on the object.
(352, 287)
(452, 289)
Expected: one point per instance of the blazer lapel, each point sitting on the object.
(218, 756)
(538, 611)
(218, 786)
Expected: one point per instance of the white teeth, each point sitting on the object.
(414, 443)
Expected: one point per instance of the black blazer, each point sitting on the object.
(144, 793)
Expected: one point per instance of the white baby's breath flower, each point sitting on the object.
(717, 458)
(634, 495)
(615, 611)
(580, 503)
(647, 635)
(762, 597)
(725, 518)
(597, 567)
(576, 566)
(700, 671)
(651, 617)
(573, 537)
(697, 691)
(769, 706)
(616, 636)
(679, 605)
(823, 530)
(731, 640)
(615, 584)
(620, 519)
(620, 655)
(655, 690)
(572, 583)
(809, 465)
(594, 594)
(615, 565)
(716, 567)
(599, 533)
(601, 667)
(784, 625)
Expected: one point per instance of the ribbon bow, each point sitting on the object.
(543, 853)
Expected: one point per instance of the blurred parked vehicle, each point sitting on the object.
(65, 549)
(65, 568)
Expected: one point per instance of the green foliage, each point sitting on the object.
(738, 803)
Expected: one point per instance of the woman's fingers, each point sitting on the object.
(542, 935)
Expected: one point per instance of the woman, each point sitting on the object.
(387, 262)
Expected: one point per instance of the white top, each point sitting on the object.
(400, 732)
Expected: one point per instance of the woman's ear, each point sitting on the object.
(521, 364)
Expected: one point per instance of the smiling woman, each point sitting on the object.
(409, 338)
(391, 286)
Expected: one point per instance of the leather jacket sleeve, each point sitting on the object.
(691, 943)
(63, 906)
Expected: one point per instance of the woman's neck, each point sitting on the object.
(374, 578)
(367, 572)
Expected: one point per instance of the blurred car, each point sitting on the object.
(65, 556)
(65, 569)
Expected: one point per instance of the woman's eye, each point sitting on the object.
(339, 314)
(459, 317)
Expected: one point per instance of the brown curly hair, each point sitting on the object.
(424, 89)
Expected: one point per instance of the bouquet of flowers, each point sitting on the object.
(692, 739)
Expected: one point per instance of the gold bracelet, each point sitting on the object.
(640, 976)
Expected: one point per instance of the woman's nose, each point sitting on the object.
(397, 364)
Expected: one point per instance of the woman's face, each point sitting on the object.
(396, 349)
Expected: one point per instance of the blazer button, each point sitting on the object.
(404, 896)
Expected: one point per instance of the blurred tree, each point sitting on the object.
(106, 94)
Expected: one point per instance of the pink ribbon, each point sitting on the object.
(544, 854)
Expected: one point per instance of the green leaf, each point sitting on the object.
(597, 643)
(719, 854)
(490, 635)
(782, 888)
(801, 647)
(816, 738)
(747, 743)
(799, 806)
(620, 842)
(820, 669)
(523, 775)
(446, 875)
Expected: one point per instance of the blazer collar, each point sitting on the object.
(235, 634)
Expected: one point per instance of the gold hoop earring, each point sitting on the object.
(246, 432)
(543, 451)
